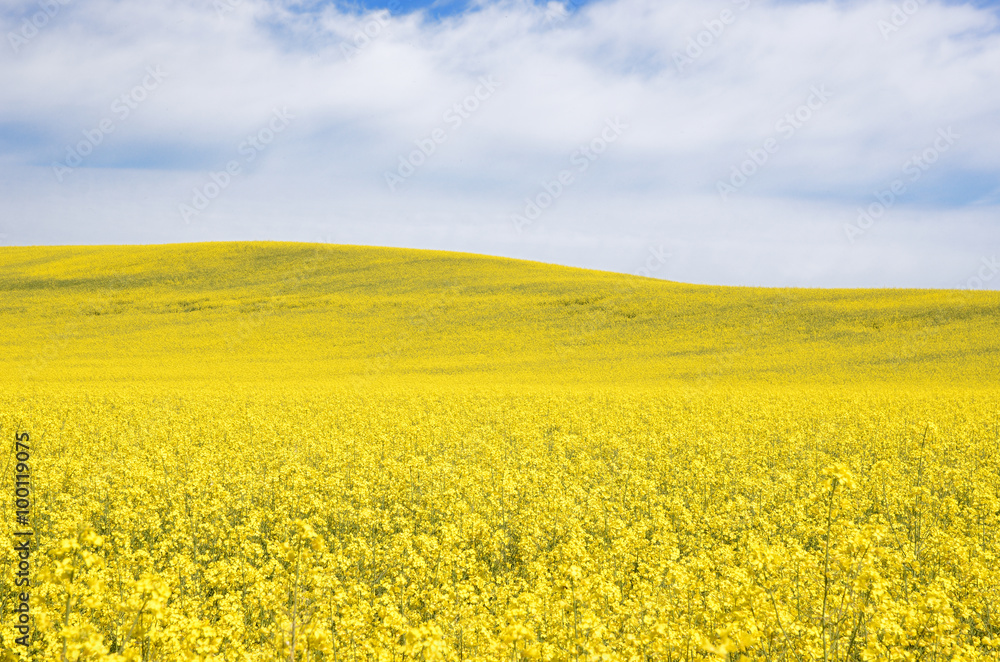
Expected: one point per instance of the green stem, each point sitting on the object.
(826, 568)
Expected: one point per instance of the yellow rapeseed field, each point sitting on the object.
(269, 451)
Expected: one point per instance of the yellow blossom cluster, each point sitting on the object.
(498, 524)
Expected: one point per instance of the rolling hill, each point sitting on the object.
(287, 312)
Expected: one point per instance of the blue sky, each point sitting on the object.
(439, 8)
(759, 142)
(443, 8)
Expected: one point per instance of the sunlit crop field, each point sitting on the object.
(416, 456)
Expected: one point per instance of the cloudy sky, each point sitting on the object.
(758, 142)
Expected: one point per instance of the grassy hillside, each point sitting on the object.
(244, 312)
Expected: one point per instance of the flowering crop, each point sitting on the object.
(489, 525)
(385, 510)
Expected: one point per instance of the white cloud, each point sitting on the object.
(560, 80)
